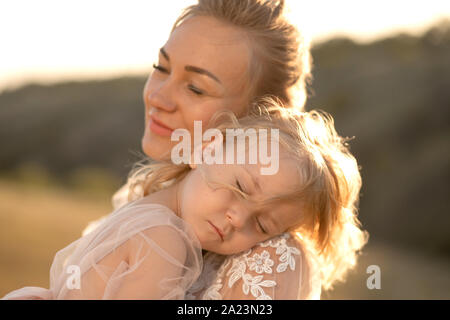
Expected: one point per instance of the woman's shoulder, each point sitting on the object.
(277, 268)
(279, 254)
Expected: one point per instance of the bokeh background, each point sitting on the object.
(71, 121)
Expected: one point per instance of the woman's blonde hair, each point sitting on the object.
(330, 180)
(280, 62)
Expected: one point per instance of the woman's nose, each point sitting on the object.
(161, 98)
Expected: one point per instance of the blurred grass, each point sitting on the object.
(92, 181)
(37, 220)
(35, 223)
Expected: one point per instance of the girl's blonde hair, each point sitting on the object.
(330, 180)
(280, 62)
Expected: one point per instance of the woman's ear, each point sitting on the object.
(192, 165)
(199, 150)
(197, 156)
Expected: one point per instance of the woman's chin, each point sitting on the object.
(155, 146)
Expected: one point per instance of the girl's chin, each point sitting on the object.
(210, 247)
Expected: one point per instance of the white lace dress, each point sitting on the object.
(280, 268)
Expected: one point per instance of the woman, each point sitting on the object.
(223, 55)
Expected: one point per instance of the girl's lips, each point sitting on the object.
(217, 230)
(159, 128)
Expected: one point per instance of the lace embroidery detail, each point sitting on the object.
(261, 263)
(285, 251)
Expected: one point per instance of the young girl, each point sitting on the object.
(151, 248)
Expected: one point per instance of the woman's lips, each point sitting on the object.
(217, 230)
(159, 128)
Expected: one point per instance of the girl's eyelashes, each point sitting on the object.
(261, 227)
(239, 186)
(257, 220)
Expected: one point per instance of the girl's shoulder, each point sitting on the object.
(123, 195)
(143, 214)
(136, 238)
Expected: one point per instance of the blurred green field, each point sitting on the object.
(37, 221)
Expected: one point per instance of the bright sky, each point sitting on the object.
(51, 40)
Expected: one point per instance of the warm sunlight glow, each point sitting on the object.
(50, 40)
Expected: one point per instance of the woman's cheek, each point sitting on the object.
(202, 110)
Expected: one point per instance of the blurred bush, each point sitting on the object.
(94, 181)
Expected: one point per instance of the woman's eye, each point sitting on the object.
(160, 68)
(195, 90)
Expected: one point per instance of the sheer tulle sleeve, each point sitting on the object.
(280, 268)
(119, 199)
(141, 251)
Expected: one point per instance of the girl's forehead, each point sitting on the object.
(257, 151)
(286, 178)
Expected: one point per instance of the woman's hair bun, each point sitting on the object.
(279, 8)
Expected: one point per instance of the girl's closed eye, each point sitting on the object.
(261, 226)
(263, 230)
(240, 188)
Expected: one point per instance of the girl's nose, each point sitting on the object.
(238, 219)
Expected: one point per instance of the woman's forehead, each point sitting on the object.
(207, 43)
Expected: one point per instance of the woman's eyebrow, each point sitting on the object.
(192, 68)
(202, 71)
(164, 53)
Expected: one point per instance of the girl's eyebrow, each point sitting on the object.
(192, 68)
